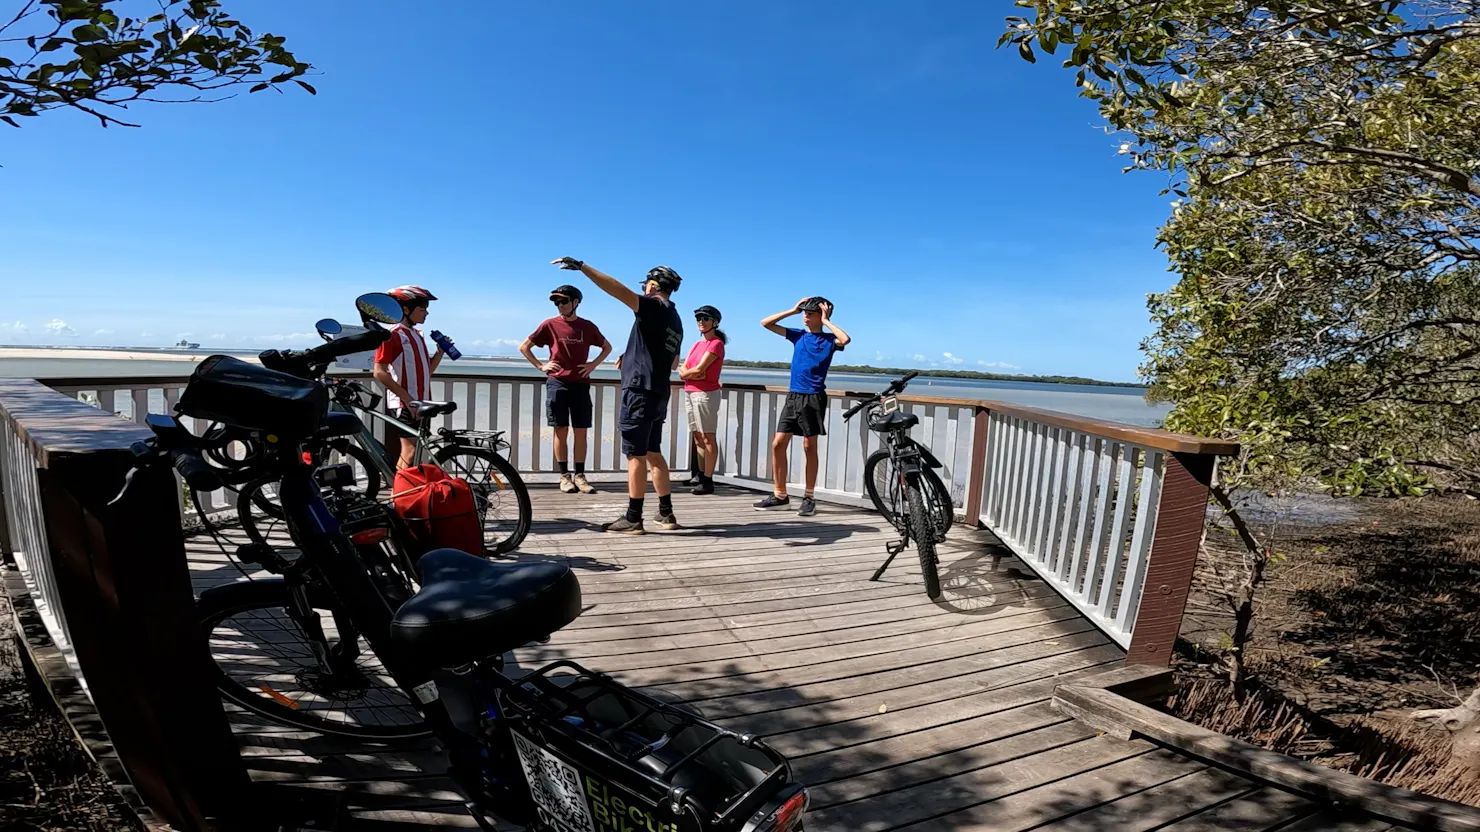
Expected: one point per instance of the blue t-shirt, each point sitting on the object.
(810, 358)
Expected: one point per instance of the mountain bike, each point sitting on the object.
(901, 481)
(559, 748)
(499, 493)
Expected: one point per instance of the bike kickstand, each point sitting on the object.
(893, 548)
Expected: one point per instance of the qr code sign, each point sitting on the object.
(555, 787)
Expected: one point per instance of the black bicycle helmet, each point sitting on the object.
(568, 291)
(710, 311)
(814, 304)
(666, 278)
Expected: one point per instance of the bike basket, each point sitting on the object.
(245, 395)
(598, 755)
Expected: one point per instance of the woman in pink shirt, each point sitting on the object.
(700, 373)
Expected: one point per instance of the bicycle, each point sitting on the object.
(554, 749)
(901, 482)
(473, 455)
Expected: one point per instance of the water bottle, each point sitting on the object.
(446, 344)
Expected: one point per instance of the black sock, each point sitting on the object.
(564, 469)
(580, 467)
(665, 503)
(634, 509)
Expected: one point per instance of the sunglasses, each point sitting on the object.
(702, 318)
(559, 301)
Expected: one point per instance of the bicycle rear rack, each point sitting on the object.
(665, 754)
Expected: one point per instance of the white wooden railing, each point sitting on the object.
(1087, 504)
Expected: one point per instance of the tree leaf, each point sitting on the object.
(259, 87)
(10, 121)
(1026, 52)
(307, 86)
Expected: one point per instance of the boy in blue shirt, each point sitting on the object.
(805, 412)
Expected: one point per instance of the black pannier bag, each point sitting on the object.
(246, 395)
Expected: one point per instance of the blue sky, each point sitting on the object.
(956, 203)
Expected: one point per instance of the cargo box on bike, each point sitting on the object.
(245, 395)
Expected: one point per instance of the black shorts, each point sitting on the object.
(567, 403)
(805, 414)
(640, 419)
(406, 416)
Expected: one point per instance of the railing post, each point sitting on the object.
(976, 478)
(1180, 515)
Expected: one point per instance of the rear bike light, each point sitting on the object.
(369, 536)
(789, 816)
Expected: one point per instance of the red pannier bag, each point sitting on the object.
(438, 510)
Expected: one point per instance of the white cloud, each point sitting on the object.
(919, 357)
(997, 365)
(291, 336)
(103, 332)
(57, 328)
(146, 335)
(183, 335)
(17, 327)
(509, 343)
(951, 359)
(217, 336)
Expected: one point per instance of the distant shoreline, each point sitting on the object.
(940, 373)
(184, 355)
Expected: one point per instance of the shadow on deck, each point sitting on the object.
(896, 711)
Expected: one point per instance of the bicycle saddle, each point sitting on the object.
(898, 420)
(340, 424)
(469, 608)
(431, 410)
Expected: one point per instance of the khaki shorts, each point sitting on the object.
(703, 409)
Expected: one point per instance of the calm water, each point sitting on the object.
(1113, 403)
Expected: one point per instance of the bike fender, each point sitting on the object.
(925, 454)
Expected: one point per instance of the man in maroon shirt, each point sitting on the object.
(568, 388)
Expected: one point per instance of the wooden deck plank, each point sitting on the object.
(1256, 811)
(894, 709)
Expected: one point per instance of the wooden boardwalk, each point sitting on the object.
(899, 713)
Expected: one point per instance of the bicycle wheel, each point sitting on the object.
(923, 532)
(498, 491)
(883, 492)
(266, 664)
(257, 503)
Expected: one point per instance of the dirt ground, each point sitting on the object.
(47, 782)
(1370, 611)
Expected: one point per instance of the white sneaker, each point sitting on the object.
(567, 486)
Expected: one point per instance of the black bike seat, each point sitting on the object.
(340, 424)
(898, 420)
(470, 608)
(430, 410)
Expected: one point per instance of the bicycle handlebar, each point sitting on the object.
(309, 363)
(894, 387)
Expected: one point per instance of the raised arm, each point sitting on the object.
(772, 322)
(843, 339)
(603, 281)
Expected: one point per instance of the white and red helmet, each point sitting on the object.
(408, 295)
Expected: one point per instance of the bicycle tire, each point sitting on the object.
(252, 495)
(511, 481)
(923, 532)
(943, 507)
(219, 606)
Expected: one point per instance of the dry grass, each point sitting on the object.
(1401, 754)
(47, 782)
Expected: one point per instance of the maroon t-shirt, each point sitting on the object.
(570, 344)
